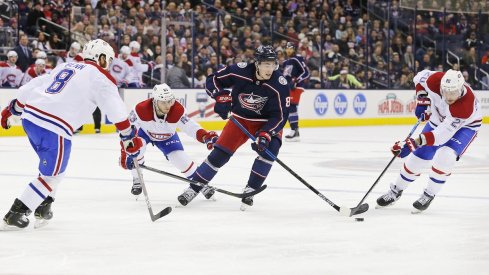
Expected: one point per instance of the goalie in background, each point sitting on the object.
(453, 123)
(157, 119)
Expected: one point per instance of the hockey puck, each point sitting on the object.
(359, 219)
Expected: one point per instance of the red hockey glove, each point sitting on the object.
(404, 148)
(8, 112)
(126, 160)
(209, 139)
(131, 143)
(262, 141)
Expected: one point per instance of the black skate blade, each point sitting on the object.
(359, 210)
(161, 214)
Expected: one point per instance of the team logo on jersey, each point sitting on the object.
(359, 104)
(340, 104)
(390, 105)
(282, 80)
(252, 102)
(117, 68)
(242, 64)
(321, 104)
(157, 136)
(132, 116)
(288, 70)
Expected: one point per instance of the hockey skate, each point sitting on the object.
(422, 203)
(16, 218)
(388, 198)
(136, 188)
(208, 193)
(293, 135)
(248, 201)
(43, 213)
(187, 196)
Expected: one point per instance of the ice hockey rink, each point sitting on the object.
(99, 228)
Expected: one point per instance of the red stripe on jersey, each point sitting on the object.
(437, 171)
(52, 116)
(409, 171)
(144, 109)
(45, 184)
(464, 106)
(175, 113)
(123, 125)
(433, 82)
(129, 62)
(103, 71)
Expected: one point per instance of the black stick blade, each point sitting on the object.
(162, 213)
(359, 210)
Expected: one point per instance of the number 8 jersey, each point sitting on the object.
(62, 100)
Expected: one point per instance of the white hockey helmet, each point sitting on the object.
(163, 92)
(76, 46)
(41, 55)
(40, 61)
(96, 48)
(125, 50)
(452, 85)
(12, 53)
(134, 45)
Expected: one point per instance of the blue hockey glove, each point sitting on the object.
(261, 142)
(403, 148)
(423, 103)
(223, 105)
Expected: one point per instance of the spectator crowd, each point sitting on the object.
(344, 44)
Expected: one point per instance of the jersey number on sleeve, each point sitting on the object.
(60, 81)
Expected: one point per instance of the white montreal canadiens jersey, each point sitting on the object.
(10, 76)
(448, 119)
(62, 100)
(138, 67)
(160, 129)
(121, 71)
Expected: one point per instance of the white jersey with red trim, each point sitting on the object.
(138, 67)
(448, 119)
(122, 71)
(62, 100)
(10, 75)
(160, 129)
(68, 58)
(30, 74)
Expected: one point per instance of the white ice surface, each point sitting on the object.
(98, 227)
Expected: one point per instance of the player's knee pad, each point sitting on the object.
(218, 157)
(443, 163)
(412, 168)
(182, 162)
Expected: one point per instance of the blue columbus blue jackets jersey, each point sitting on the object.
(296, 71)
(253, 99)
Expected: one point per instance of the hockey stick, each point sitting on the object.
(387, 167)
(237, 195)
(343, 210)
(163, 212)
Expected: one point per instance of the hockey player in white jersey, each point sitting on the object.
(73, 55)
(122, 69)
(51, 107)
(157, 119)
(33, 72)
(454, 118)
(138, 66)
(10, 74)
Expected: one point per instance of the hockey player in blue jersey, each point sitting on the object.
(259, 100)
(296, 72)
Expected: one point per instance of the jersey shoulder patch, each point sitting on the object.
(433, 82)
(175, 113)
(282, 80)
(144, 110)
(242, 64)
(464, 107)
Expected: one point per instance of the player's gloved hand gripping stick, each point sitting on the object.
(343, 210)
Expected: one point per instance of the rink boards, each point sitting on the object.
(318, 108)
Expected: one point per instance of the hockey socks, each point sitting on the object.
(259, 172)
